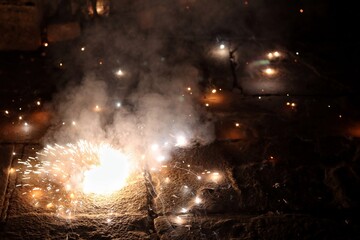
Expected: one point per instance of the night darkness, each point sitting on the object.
(182, 119)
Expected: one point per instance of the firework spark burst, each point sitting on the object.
(60, 177)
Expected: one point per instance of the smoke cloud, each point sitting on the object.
(137, 67)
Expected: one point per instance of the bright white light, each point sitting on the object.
(222, 46)
(111, 173)
(181, 141)
(118, 104)
(154, 147)
(160, 158)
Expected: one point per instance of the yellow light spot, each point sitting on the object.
(213, 91)
(269, 71)
(97, 108)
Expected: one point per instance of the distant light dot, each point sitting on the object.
(259, 97)
(213, 91)
(206, 104)
(83, 49)
(237, 124)
(340, 116)
(20, 117)
(297, 53)
(199, 177)
(73, 123)
(329, 106)
(61, 64)
(301, 10)
(6, 112)
(38, 103)
(119, 72)
(118, 104)
(222, 46)
(189, 88)
(46, 44)
(197, 200)
(26, 124)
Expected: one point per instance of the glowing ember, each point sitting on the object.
(119, 72)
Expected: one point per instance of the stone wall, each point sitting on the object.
(20, 25)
